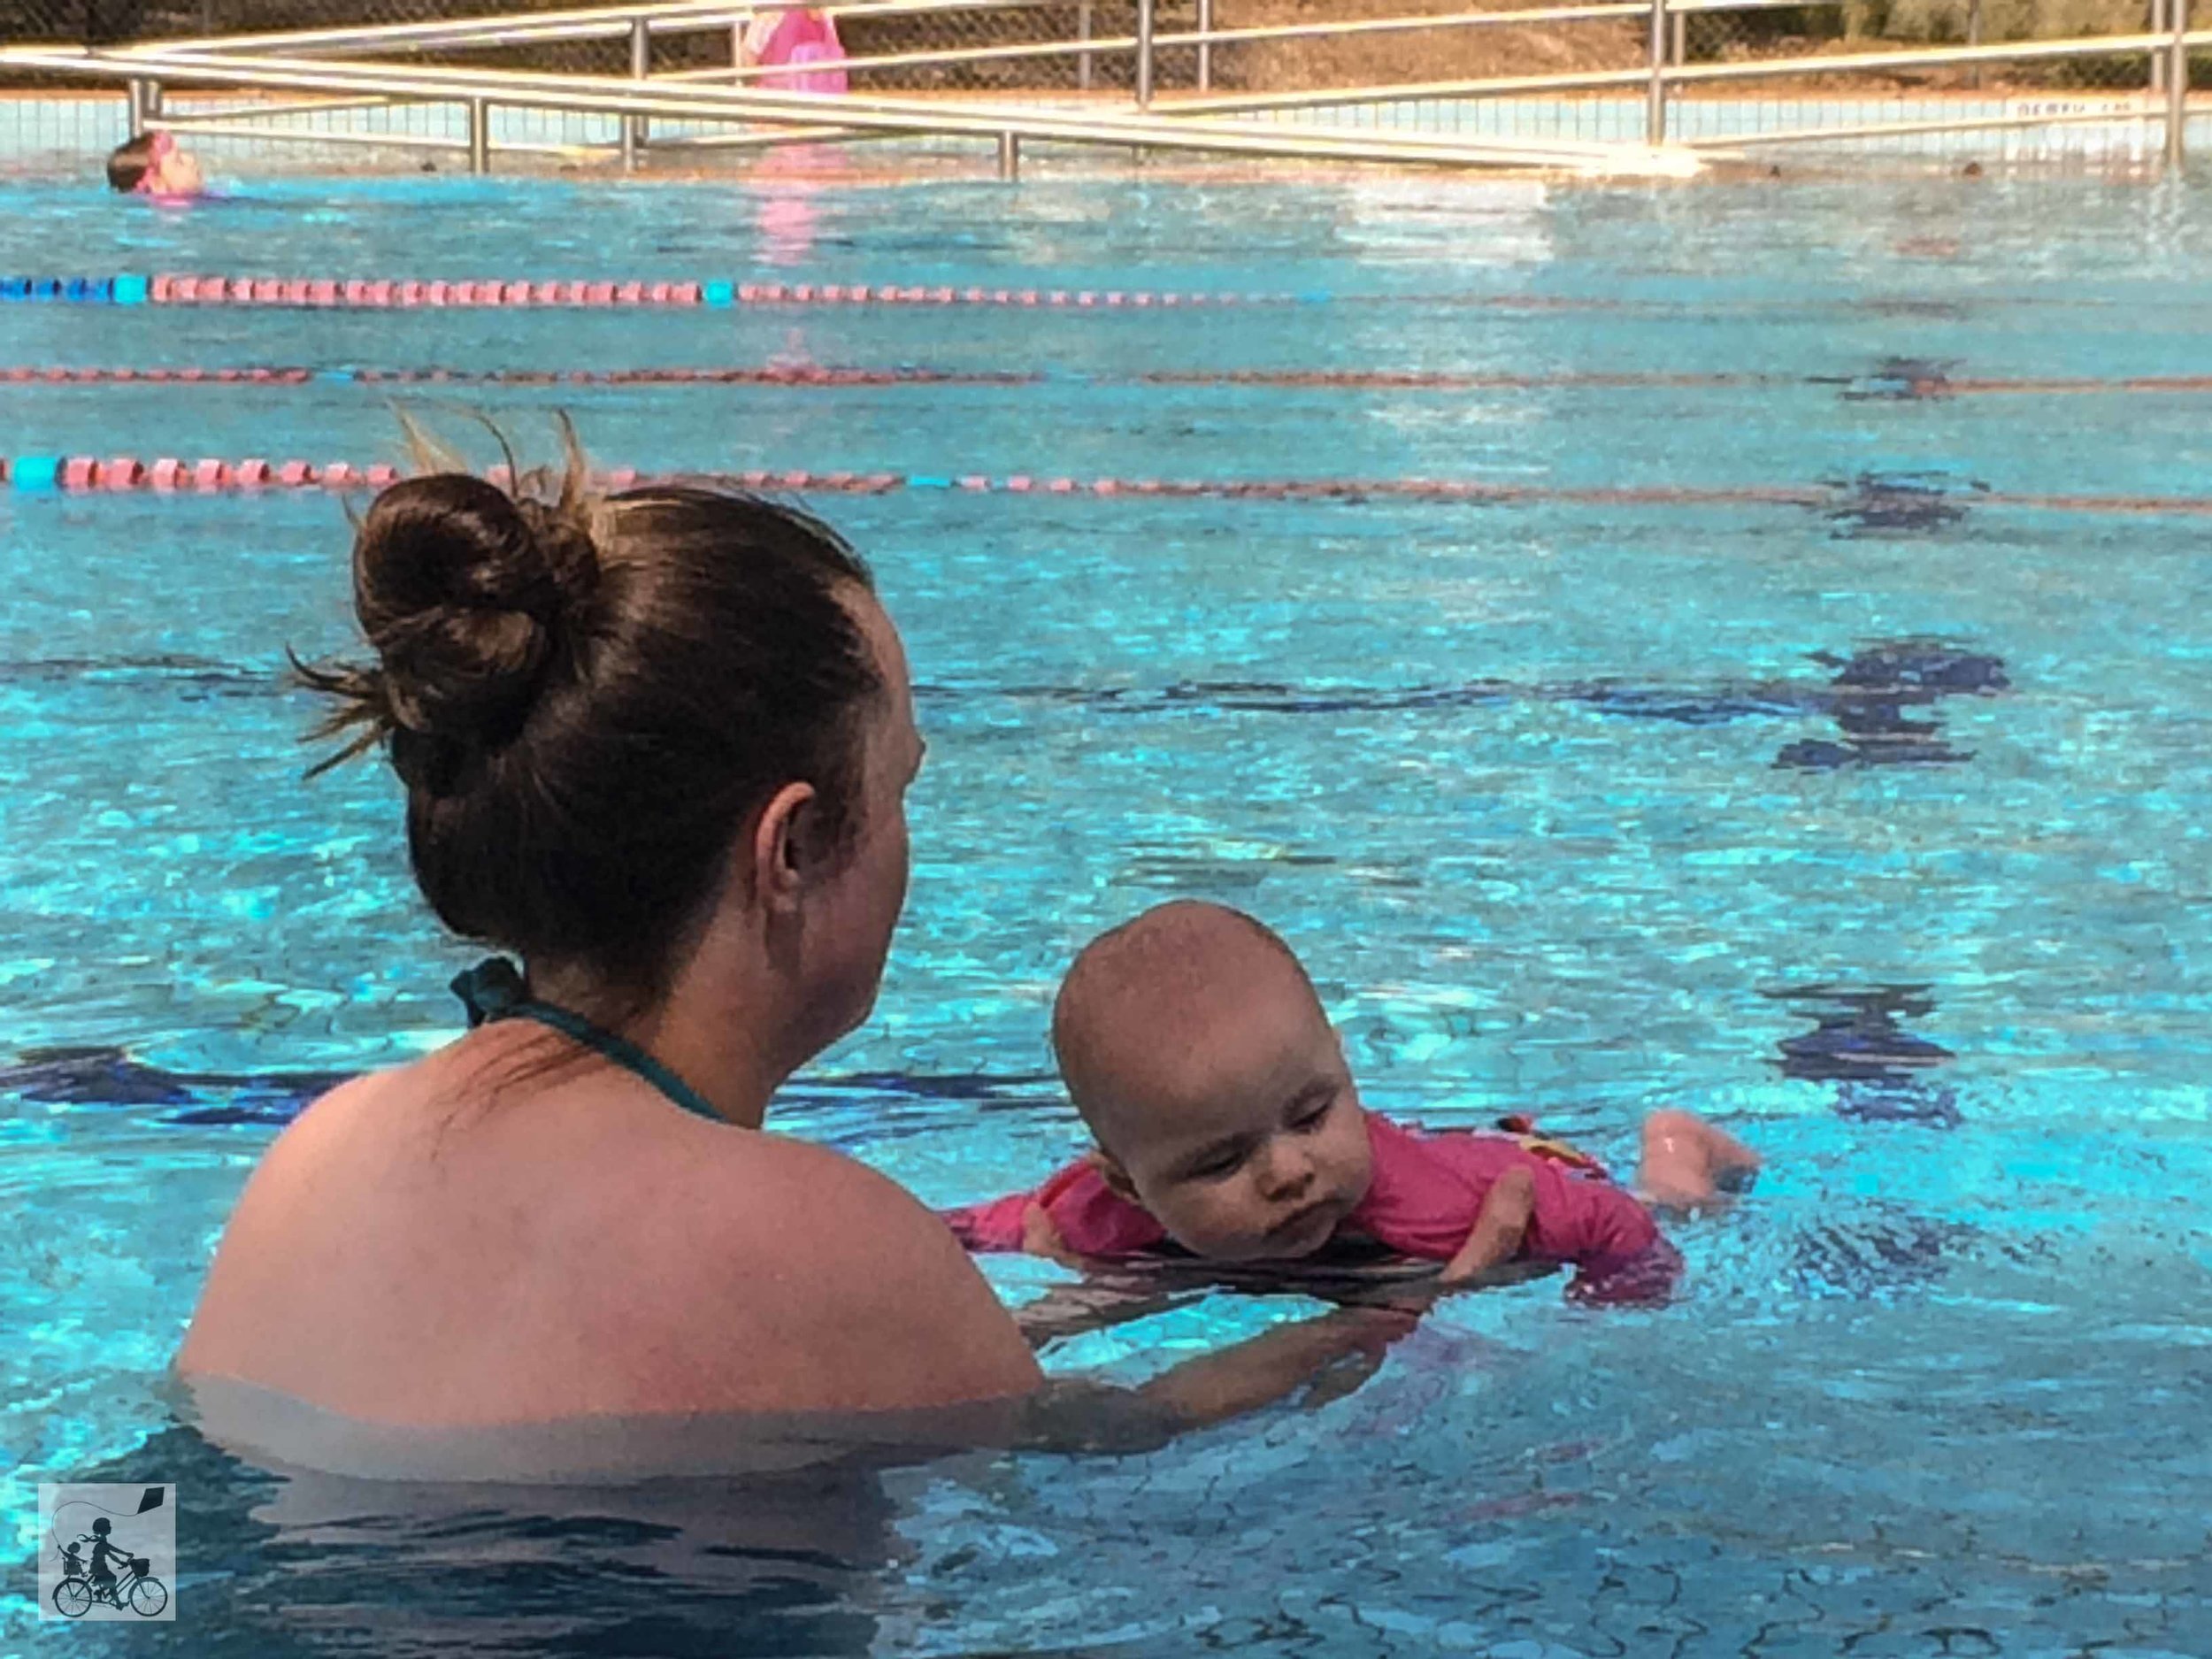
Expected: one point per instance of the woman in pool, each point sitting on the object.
(657, 746)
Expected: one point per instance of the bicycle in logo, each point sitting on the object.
(136, 1589)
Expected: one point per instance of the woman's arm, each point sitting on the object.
(1329, 1355)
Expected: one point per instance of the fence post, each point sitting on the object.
(1083, 33)
(1010, 157)
(1144, 54)
(1678, 49)
(2178, 86)
(480, 135)
(641, 66)
(1205, 48)
(136, 88)
(2158, 59)
(1974, 38)
(1655, 95)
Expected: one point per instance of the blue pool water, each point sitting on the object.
(1873, 825)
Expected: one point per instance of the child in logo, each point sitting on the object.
(1199, 1054)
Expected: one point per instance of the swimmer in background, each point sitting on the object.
(1228, 1124)
(801, 43)
(154, 163)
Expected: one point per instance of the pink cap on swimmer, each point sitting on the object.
(160, 145)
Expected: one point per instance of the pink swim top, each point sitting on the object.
(805, 41)
(1425, 1194)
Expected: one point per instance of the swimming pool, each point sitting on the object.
(1814, 734)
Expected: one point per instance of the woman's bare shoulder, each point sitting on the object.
(895, 1312)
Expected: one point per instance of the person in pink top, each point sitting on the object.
(1228, 1126)
(800, 43)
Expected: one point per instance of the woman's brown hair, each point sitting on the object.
(584, 697)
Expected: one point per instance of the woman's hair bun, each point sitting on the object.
(471, 598)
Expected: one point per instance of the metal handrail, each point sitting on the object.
(1936, 57)
(615, 96)
(1681, 74)
(271, 112)
(307, 62)
(664, 17)
(1109, 44)
(1103, 45)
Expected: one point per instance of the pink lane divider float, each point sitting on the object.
(168, 475)
(384, 293)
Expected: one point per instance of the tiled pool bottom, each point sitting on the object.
(44, 134)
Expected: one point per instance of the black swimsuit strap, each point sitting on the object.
(494, 989)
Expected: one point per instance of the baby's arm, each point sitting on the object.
(1499, 1229)
(1040, 1236)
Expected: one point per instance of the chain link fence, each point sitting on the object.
(116, 22)
(1863, 26)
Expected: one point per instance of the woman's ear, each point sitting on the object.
(783, 849)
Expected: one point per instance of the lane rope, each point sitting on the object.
(123, 474)
(386, 293)
(178, 287)
(808, 374)
(1875, 386)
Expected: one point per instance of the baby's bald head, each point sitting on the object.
(1197, 1050)
(1140, 1018)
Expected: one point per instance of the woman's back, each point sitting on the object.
(424, 1248)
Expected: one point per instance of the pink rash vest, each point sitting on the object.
(1426, 1192)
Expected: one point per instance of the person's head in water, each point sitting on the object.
(640, 735)
(1193, 1045)
(153, 164)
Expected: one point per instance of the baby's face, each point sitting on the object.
(1254, 1149)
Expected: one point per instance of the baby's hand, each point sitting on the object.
(1040, 1236)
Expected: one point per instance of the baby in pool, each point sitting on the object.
(1227, 1124)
